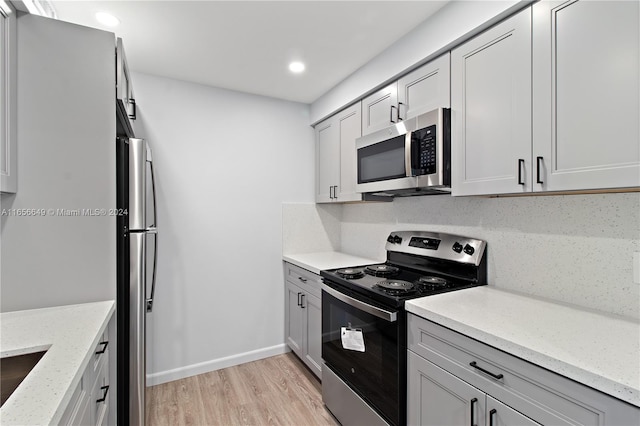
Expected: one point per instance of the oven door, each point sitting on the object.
(374, 372)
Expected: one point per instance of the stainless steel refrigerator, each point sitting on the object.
(137, 265)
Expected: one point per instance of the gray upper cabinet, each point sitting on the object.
(380, 109)
(549, 100)
(586, 94)
(327, 160)
(425, 89)
(421, 90)
(336, 156)
(8, 96)
(491, 110)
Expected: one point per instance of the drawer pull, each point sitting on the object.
(473, 411)
(304, 280)
(104, 347)
(105, 389)
(491, 414)
(477, 367)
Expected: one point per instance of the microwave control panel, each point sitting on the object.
(423, 155)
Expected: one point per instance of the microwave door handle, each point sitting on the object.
(407, 155)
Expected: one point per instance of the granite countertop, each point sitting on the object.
(68, 334)
(595, 349)
(316, 262)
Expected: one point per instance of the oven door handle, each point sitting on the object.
(373, 310)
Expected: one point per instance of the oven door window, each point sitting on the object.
(382, 161)
(374, 373)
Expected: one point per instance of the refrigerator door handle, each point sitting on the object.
(153, 192)
(149, 301)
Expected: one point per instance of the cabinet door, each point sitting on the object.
(436, 397)
(491, 110)
(349, 124)
(327, 160)
(586, 94)
(425, 89)
(313, 332)
(499, 414)
(8, 107)
(380, 109)
(294, 327)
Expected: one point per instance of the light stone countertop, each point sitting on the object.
(595, 349)
(316, 262)
(69, 334)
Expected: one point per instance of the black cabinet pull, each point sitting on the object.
(538, 174)
(473, 411)
(391, 113)
(302, 301)
(335, 192)
(105, 390)
(304, 280)
(330, 193)
(520, 166)
(399, 118)
(477, 367)
(104, 347)
(491, 414)
(131, 111)
(299, 298)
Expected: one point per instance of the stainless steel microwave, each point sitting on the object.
(411, 157)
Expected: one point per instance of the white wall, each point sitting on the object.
(310, 227)
(576, 249)
(225, 163)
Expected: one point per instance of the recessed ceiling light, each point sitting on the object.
(107, 19)
(296, 67)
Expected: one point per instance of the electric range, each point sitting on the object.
(364, 322)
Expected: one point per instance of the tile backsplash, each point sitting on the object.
(576, 249)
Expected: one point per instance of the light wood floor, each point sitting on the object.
(274, 391)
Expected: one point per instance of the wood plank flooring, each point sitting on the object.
(274, 391)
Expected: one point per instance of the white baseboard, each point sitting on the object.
(214, 364)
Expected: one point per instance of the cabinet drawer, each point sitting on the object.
(100, 408)
(547, 397)
(304, 279)
(100, 351)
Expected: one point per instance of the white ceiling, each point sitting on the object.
(247, 45)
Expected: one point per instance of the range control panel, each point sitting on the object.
(437, 244)
(425, 243)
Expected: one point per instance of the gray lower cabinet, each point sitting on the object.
(455, 380)
(93, 400)
(303, 316)
(437, 397)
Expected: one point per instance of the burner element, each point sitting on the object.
(396, 287)
(350, 273)
(433, 283)
(382, 270)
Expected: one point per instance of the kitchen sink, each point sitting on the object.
(13, 370)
